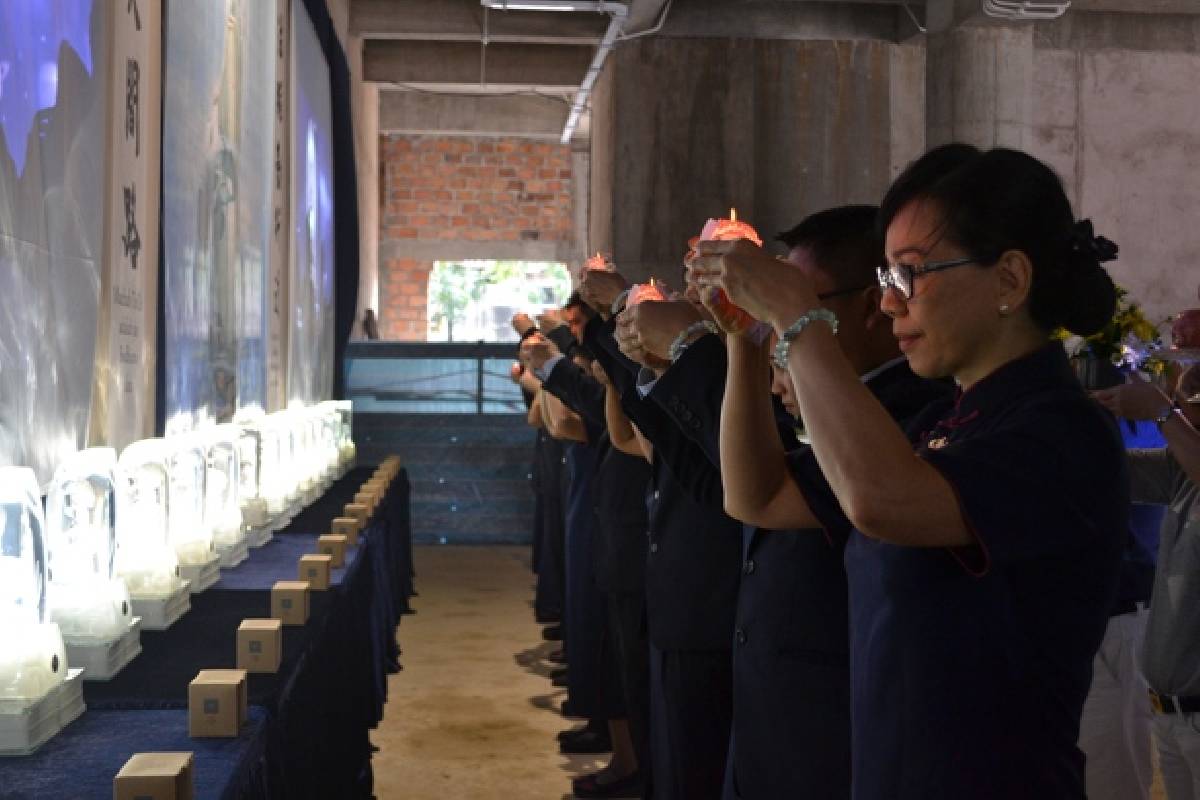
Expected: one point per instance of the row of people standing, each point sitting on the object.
(906, 602)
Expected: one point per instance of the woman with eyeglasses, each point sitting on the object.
(985, 538)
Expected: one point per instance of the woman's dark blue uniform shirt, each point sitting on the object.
(969, 667)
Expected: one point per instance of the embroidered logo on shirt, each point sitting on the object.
(937, 443)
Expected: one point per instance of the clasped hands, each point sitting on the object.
(766, 288)
(600, 289)
(536, 350)
(644, 332)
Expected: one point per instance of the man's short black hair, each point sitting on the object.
(844, 243)
(575, 301)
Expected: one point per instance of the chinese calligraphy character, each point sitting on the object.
(131, 240)
(278, 166)
(132, 128)
(279, 100)
(278, 219)
(132, 6)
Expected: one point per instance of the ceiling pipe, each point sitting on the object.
(617, 13)
(593, 72)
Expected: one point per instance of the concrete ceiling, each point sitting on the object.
(453, 66)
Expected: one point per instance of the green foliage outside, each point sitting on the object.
(456, 286)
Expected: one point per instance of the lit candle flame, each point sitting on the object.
(733, 215)
(653, 283)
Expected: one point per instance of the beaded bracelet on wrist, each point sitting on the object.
(780, 356)
(618, 305)
(682, 341)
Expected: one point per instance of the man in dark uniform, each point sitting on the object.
(790, 657)
(618, 552)
(548, 514)
(692, 572)
(584, 608)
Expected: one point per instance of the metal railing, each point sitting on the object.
(432, 377)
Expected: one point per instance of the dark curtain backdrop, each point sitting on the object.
(345, 190)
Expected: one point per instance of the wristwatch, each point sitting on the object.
(1165, 416)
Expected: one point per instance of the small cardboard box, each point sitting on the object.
(155, 776)
(217, 703)
(359, 512)
(315, 569)
(260, 645)
(334, 546)
(289, 602)
(346, 526)
(368, 499)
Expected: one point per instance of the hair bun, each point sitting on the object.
(1084, 242)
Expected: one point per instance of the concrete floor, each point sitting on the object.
(472, 714)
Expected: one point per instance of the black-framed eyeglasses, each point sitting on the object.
(840, 292)
(903, 277)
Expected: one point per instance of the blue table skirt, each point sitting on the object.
(83, 759)
(317, 710)
(277, 560)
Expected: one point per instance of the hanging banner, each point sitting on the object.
(280, 215)
(54, 74)
(123, 395)
(217, 217)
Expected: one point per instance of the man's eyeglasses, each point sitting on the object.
(840, 292)
(903, 277)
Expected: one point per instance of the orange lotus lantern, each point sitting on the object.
(641, 292)
(598, 263)
(729, 230)
(731, 317)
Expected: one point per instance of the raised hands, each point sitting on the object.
(754, 282)
(599, 289)
(521, 323)
(550, 319)
(1137, 400)
(537, 350)
(645, 331)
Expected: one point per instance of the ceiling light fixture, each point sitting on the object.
(544, 5)
(1026, 9)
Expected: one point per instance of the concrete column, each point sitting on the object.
(979, 85)
(683, 129)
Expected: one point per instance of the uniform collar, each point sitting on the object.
(1045, 368)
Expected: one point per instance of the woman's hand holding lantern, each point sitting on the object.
(726, 313)
(754, 282)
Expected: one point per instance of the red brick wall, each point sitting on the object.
(460, 189)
